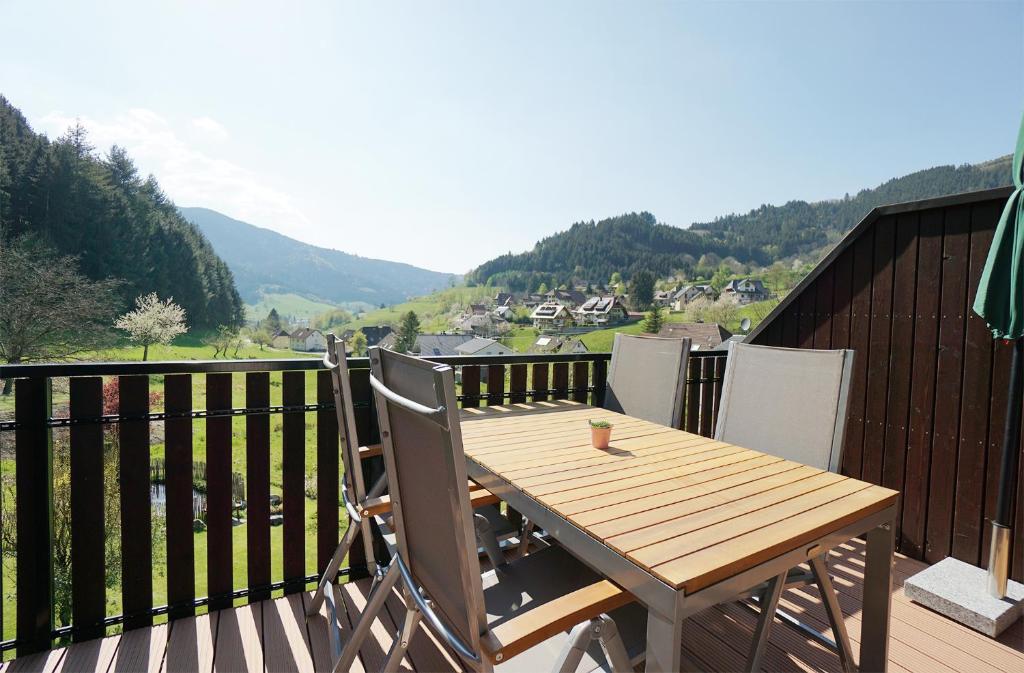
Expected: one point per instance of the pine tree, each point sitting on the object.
(654, 320)
(408, 330)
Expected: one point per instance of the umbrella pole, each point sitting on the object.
(999, 552)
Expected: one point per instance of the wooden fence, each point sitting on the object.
(510, 379)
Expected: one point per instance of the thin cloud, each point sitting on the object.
(187, 174)
(211, 127)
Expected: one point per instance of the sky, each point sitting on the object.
(443, 134)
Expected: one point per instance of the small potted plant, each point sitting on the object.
(600, 434)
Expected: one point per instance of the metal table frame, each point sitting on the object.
(668, 607)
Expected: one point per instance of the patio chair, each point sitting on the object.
(646, 378)
(362, 505)
(523, 610)
(791, 403)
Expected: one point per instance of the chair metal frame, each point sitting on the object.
(482, 649)
(767, 595)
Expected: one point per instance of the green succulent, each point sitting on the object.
(600, 424)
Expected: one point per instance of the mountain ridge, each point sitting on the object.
(264, 260)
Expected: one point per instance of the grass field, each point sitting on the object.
(287, 305)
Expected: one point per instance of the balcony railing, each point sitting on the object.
(99, 447)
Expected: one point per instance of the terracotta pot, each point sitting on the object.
(600, 437)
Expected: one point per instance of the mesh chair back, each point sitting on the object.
(646, 378)
(788, 402)
(426, 470)
(345, 413)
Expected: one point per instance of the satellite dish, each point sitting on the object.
(745, 324)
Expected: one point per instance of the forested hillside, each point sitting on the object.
(631, 242)
(119, 224)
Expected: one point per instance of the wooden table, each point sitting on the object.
(681, 521)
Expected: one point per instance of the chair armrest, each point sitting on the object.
(533, 627)
(369, 451)
(382, 505)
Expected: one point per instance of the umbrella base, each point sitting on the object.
(960, 591)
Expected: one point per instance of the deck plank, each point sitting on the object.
(140, 650)
(239, 639)
(190, 646)
(285, 641)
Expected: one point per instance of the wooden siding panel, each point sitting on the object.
(875, 410)
(922, 384)
(806, 319)
(949, 384)
(860, 331)
(901, 351)
(841, 298)
(824, 288)
(970, 473)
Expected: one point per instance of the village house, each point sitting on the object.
(505, 312)
(691, 292)
(554, 344)
(551, 316)
(504, 299)
(281, 339)
(601, 311)
(307, 340)
(745, 291)
(485, 324)
(663, 298)
(570, 298)
(481, 346)
(703, 336)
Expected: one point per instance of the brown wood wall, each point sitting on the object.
(928, 397)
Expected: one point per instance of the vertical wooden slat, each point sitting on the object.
(860, 330)
(880, 336)
(470, 386)
(580, 381)
(823, 309)
(495, 385)
(517, 384)
(805, 322)
(707, 398)
(293, 465)
(136, 517)
(949, 373)
(181, 589)
(257, 469)
(719, 373)
(218, 492)
(922, 387)
(367, 433)
(327, 473)
(540, 381)
(841, 298)
(88, 570)
(600, 382)
(692, 388)
(971, 453)
(33, 455)
(901, 354)
(791, 325)
(560, 380)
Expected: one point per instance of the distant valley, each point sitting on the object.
(302, 280)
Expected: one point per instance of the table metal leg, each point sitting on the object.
(874, 641)
(664, 643)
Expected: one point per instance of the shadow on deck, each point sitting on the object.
(274, 636)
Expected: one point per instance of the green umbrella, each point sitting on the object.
(1000, 298)
(1000, 301)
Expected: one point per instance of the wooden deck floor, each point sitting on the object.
(273, 636)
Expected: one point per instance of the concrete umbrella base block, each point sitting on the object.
(959, 591)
